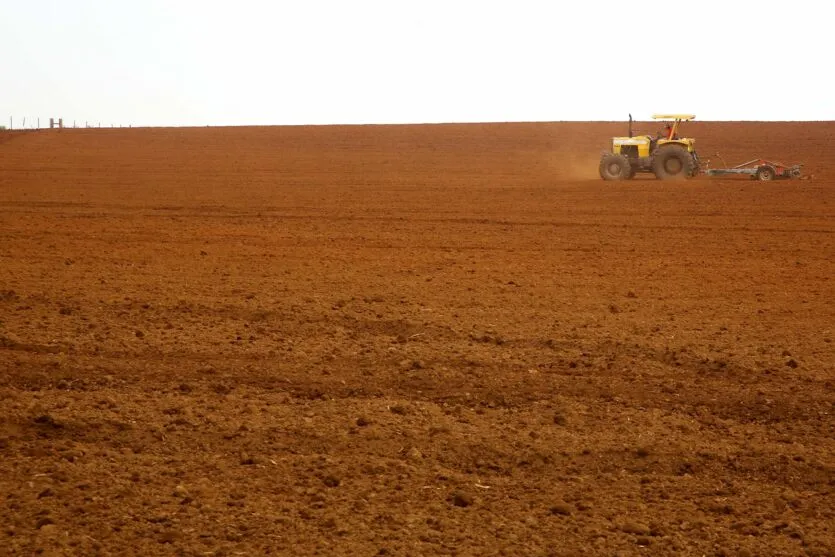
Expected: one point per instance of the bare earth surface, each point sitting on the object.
(413, 340)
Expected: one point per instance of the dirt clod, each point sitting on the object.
(462, 499)
(168, 537)
(180, 491)
(46, 493)
(560, 508)
(637, 528)
(399, 409)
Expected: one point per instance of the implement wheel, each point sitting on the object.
(673, 162)
(766, 173)
(615, 167)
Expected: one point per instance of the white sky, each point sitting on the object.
(240, 62)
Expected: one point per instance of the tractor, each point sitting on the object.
(666, 155)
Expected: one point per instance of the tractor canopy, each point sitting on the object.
(684, 117)
(672, 134)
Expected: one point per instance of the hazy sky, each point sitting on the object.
(201, 62)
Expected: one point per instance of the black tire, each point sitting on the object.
(673, 162)
(615, 167)
(766, 173)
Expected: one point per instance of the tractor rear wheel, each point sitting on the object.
(673, 162)
(615, 167)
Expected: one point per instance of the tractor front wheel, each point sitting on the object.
(615, 167)
(673, 162)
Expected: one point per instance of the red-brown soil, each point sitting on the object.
(413, 340)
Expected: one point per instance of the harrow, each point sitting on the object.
(759, 169)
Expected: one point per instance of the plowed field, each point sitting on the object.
(413, 340)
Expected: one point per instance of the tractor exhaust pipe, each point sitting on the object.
(630, 125)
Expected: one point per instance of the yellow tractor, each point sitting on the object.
(666, 155)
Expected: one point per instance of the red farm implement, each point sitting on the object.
(759, 169)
